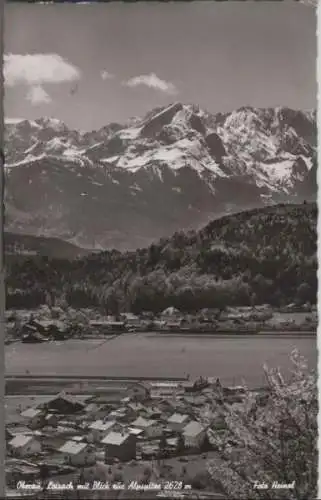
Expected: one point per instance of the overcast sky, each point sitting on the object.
(89, 65)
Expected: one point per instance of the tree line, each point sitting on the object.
(260, 256)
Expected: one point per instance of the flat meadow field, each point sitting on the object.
(156, 355)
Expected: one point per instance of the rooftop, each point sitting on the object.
(135, 431)
(78, 439)
(66, 397)
(20, 440)
(72, 447)
(177, 418)
(116, 438)
(102, 426)
(143, 422)
(192, 429)
(31, 412)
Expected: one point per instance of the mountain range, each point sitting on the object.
(127, 185)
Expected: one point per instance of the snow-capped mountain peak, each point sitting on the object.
(178, 159)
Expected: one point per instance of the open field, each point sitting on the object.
(154, 355)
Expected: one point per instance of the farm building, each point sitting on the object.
(77, 453)
(34, 417)
(24, 446)
(194, 434)
(177, 421)
(99, 429)
(120, 445)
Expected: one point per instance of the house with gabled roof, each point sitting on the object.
(77, 453)
(194, 434)
(24, 446)
(121, 445)
(99, 429)
(151, 428)
(34, 417)
(177, 421)
(65, 404)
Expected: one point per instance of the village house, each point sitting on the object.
(151, 428)
(121, 445)
(135, 407)
(177, 422)
(64, 404)
(99, 430)
(24, 446)
(194, 434)
(120, 416)
(154, 413)
(78, 454)
(34, 417)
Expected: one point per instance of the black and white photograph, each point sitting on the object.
(160, 238)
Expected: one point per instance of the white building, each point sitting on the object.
(151, 428)
(24, 446)
(100, 429)
(77, 453)
(177, 421)
(194, 434)
(34, 417)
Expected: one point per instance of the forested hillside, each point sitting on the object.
(260, 256)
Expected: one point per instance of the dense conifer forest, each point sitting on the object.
(259, 256)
